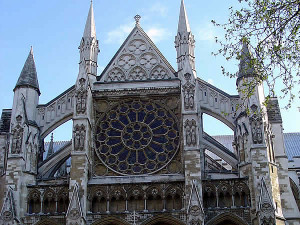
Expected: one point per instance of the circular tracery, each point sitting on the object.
(137, 137)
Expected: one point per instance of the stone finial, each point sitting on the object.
(137, 19)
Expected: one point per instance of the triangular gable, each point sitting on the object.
(8, 210)
(74, 211)
(265, 198)
(137, 59)
(195, 204)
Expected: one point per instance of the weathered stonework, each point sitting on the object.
(139, 154)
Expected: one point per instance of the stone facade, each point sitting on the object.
(138, 153)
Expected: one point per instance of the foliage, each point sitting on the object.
(271, 28)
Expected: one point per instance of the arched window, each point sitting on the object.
(99, 205)
(136, 203)
(34, 202)
(154, 203)
(49, 204)
(117, 204)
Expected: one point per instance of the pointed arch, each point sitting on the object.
(167, 220)
(224, 217)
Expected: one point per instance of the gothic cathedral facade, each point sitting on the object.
(139, 154)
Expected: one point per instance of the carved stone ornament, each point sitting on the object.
(17, 140)
(190, 132)
(79, 137)
(81, 96)
(8, 209)
(265, 205)
(256, 129)
(195, 210)
(189, 92)
(74, 214)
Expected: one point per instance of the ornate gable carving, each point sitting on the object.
(137, 59)
(8, 210)
(74, 213)
(195, 210)
(265, 205)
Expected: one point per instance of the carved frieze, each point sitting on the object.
(190, 132)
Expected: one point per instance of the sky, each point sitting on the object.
(54, 29)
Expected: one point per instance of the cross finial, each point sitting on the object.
(137, 19)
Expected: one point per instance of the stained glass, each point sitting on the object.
(137, 137)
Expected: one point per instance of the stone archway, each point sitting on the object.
(226, 219)
(163, 220)
(111, 221)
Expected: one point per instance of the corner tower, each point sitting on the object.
(24, 138)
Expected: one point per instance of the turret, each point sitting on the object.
(26, 92)
(184, 41)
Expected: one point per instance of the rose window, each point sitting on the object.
(137, 137)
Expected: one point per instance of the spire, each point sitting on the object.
(50, 149)
(246, 67)
(183, 24)
(90, 28)
(28, 76)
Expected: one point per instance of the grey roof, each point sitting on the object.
(56, 146)
(291, 142)
(292, 145)
(5, 120)
(28, 76)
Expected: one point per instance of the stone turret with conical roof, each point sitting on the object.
(184, 41)
(24, 141)
(28, 76)
(26, 92)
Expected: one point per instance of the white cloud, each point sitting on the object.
(207, 32)
(119, 34)
(210, 81)
(159, 8)
(157, 34)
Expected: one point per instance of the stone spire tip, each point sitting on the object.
(183, 24)
(90, 28)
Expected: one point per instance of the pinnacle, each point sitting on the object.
(90, 28)
(28, 76)
(183, 24)
(245, 62)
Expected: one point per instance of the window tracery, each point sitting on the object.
(137, 137)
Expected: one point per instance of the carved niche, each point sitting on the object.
(256, 129)
(17, 134)
(79, 137)
(189, 92)
(81, 96)
(190, 132)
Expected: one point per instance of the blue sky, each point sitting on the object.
(54, 29)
